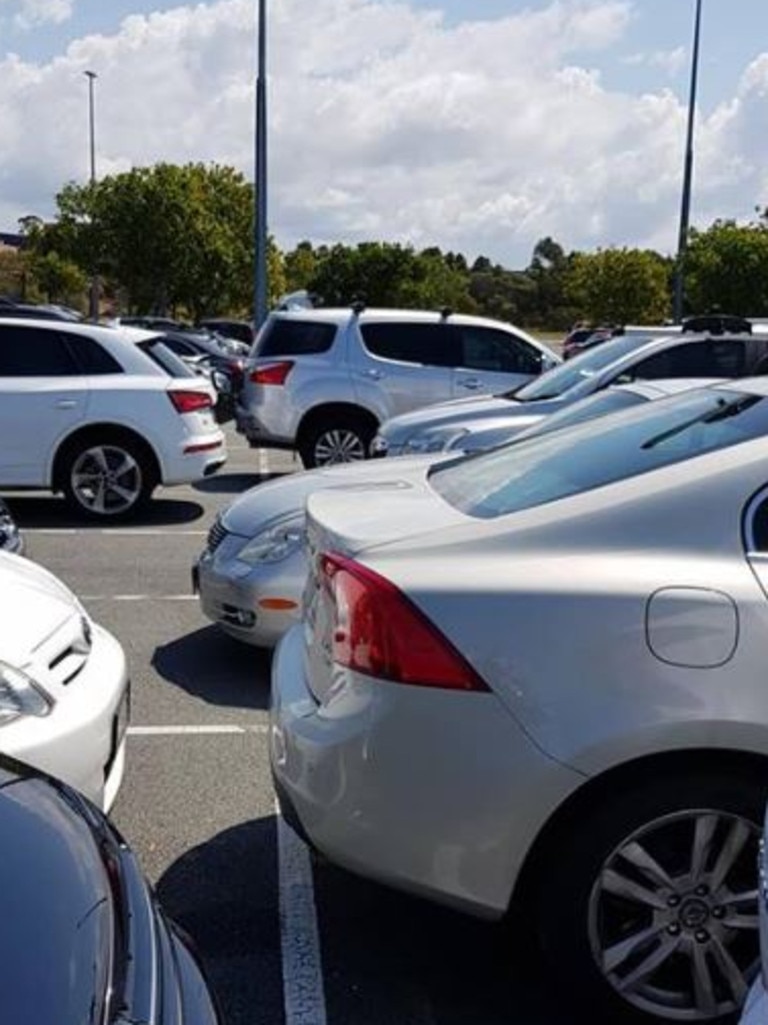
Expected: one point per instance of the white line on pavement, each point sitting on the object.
(134, 532)
(263, 462)
(183, 731)
(303, 992)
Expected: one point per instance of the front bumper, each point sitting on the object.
(82, 740)
(243, 601)
(431, 791)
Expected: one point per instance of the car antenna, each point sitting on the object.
(358, 306)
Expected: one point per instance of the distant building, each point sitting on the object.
(11, 240)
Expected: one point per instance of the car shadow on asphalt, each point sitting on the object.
(224, 894)
(233, 483)
(209, 665)
(49, 511)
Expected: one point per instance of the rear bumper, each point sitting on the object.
(434, 792)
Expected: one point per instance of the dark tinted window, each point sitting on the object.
(160, 354)
(32, 352)
(699, 359)
(599, 452)
(436, 345)
(294, 338)
(180, 347)
(759, 527)
(91, 357)
(486, 349)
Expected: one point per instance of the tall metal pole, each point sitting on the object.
(685, 203)
(260, 181)
(93, 296)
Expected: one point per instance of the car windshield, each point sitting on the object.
(600, 452)
(565, 376)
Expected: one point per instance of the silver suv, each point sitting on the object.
(321, 381)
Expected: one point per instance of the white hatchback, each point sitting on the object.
(101, 414)
(64, 696)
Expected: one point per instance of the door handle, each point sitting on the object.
(473, 383)
(376, 375)
(66, 403)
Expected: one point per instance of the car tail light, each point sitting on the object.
(190, 401)
(272, 373)
(378, 631)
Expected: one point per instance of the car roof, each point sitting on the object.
(657, 388)
(340, 314)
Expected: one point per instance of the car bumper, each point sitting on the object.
(255, 605)
(197, 456)
(390, 781)
(82, 740)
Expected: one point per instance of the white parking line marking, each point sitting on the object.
(263, 462)
(303, 992)
(183, 731)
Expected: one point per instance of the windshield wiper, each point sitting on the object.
(723, 411)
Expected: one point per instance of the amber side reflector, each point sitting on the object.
(278, 604)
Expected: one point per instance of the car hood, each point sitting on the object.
(33, 604)
(276, 499)
(56, 911)
(469, 416)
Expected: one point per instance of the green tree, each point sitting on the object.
(57, 279)
(726, 268)
(619, 286)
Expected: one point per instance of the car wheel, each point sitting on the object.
(648, 909)
(107, 479)
(342, 440)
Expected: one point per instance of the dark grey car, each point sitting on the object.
(82, 938)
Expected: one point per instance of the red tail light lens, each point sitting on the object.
(380, 632)
(190, 401)
(272, 373)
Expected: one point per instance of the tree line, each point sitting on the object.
(178, 239)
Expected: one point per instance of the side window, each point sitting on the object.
(756, 532)
(34, 352)
(91, 357)
(435, 345)
(716, 358)
(487, 349)
(294, 338)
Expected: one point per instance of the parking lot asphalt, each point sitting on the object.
(284, 936)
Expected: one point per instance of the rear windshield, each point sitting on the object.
(281, 337)
(168, 361)
(599, 452)
(565, 376)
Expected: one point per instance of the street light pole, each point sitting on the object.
(685, 202)
(93, 298)
(260, 180)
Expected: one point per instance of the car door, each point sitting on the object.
(43, 396)
(493, 361)
(402, 366)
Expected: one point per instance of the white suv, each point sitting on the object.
(100, 414)
(321, 381)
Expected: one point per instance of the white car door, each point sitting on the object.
(43, 396)
(493, 361)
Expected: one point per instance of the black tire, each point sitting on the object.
(344, 438)
(107, 478)
(599, 929)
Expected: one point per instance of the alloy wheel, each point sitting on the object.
(673, 915)
(340, 445)
(106, 480)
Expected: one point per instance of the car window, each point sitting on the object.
(488, 349)
(436, 345)
(757, 525)
(280, 337)
(567, 375)
(91, 357)
(697, 359)
(181, 348)
(599, 452)
(168, 361)
(33, 352)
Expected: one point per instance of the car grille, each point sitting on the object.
(216, 535)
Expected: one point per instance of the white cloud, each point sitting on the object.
(387, 123)
(40, 12)
(671, 62)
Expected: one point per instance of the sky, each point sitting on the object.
(479, 126)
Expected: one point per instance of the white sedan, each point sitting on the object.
(534, 681)
(63, 683)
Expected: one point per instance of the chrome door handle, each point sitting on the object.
(376, 375)
(473, 383)
(66, 404)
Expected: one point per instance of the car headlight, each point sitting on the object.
(437, 440)
(275, 543)
(20, 695)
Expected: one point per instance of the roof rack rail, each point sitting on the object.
(446, 312)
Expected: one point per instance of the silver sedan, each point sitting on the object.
(252, 572)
